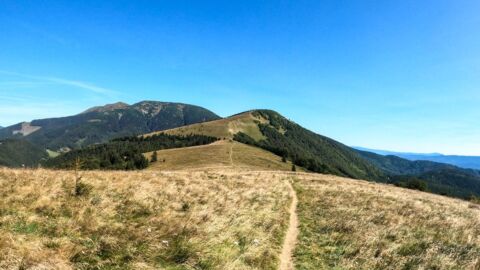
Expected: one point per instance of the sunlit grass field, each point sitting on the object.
(226, 218)
(349, 224)
(141, 220)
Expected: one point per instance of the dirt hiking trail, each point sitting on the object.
(286, 257)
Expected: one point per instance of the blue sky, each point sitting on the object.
(397, 75)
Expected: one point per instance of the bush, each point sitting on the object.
(414, 183)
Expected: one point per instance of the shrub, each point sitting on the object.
(82, 189)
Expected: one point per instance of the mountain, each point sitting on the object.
(393, 153)
(263, 129)
(440, 178)
(271, 131)
(100, 124)
(468, 162)
(18, 153)
(242, 136)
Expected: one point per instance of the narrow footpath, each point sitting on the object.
(286, 257)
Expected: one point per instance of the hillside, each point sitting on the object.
(221, 154)
(18, 153)
(100, 124)
(223, 128)
(467, 162)
(440, 178)
(271, 131)
(227, 219)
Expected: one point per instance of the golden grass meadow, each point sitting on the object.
(226, 218)
(141, 220)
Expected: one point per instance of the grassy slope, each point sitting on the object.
(223, 128)
(284, 134)
(227, 219)
(359, 225)
(217, 155)
(142, 220)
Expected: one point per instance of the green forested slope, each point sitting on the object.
(308, 149)
(439, 177)
(15, 153)
(123, 153)
(101, 124)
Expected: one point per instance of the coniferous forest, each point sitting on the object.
(124, 153)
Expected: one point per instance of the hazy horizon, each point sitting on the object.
(393, 76)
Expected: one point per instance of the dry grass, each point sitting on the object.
(348, 224)
(141, 220)
(223, 128)
(217, 155)
(227, 219)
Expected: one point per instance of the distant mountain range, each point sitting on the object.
(468, 162)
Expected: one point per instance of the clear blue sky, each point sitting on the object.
(397, 75)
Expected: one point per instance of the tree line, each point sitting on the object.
(124, 153)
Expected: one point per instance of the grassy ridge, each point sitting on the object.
(223, 128)
(271, 131)
(220, 154)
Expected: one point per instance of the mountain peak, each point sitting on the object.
(108, 107)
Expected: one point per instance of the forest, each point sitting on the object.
(124, 153)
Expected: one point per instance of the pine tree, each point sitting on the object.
(154, 157)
